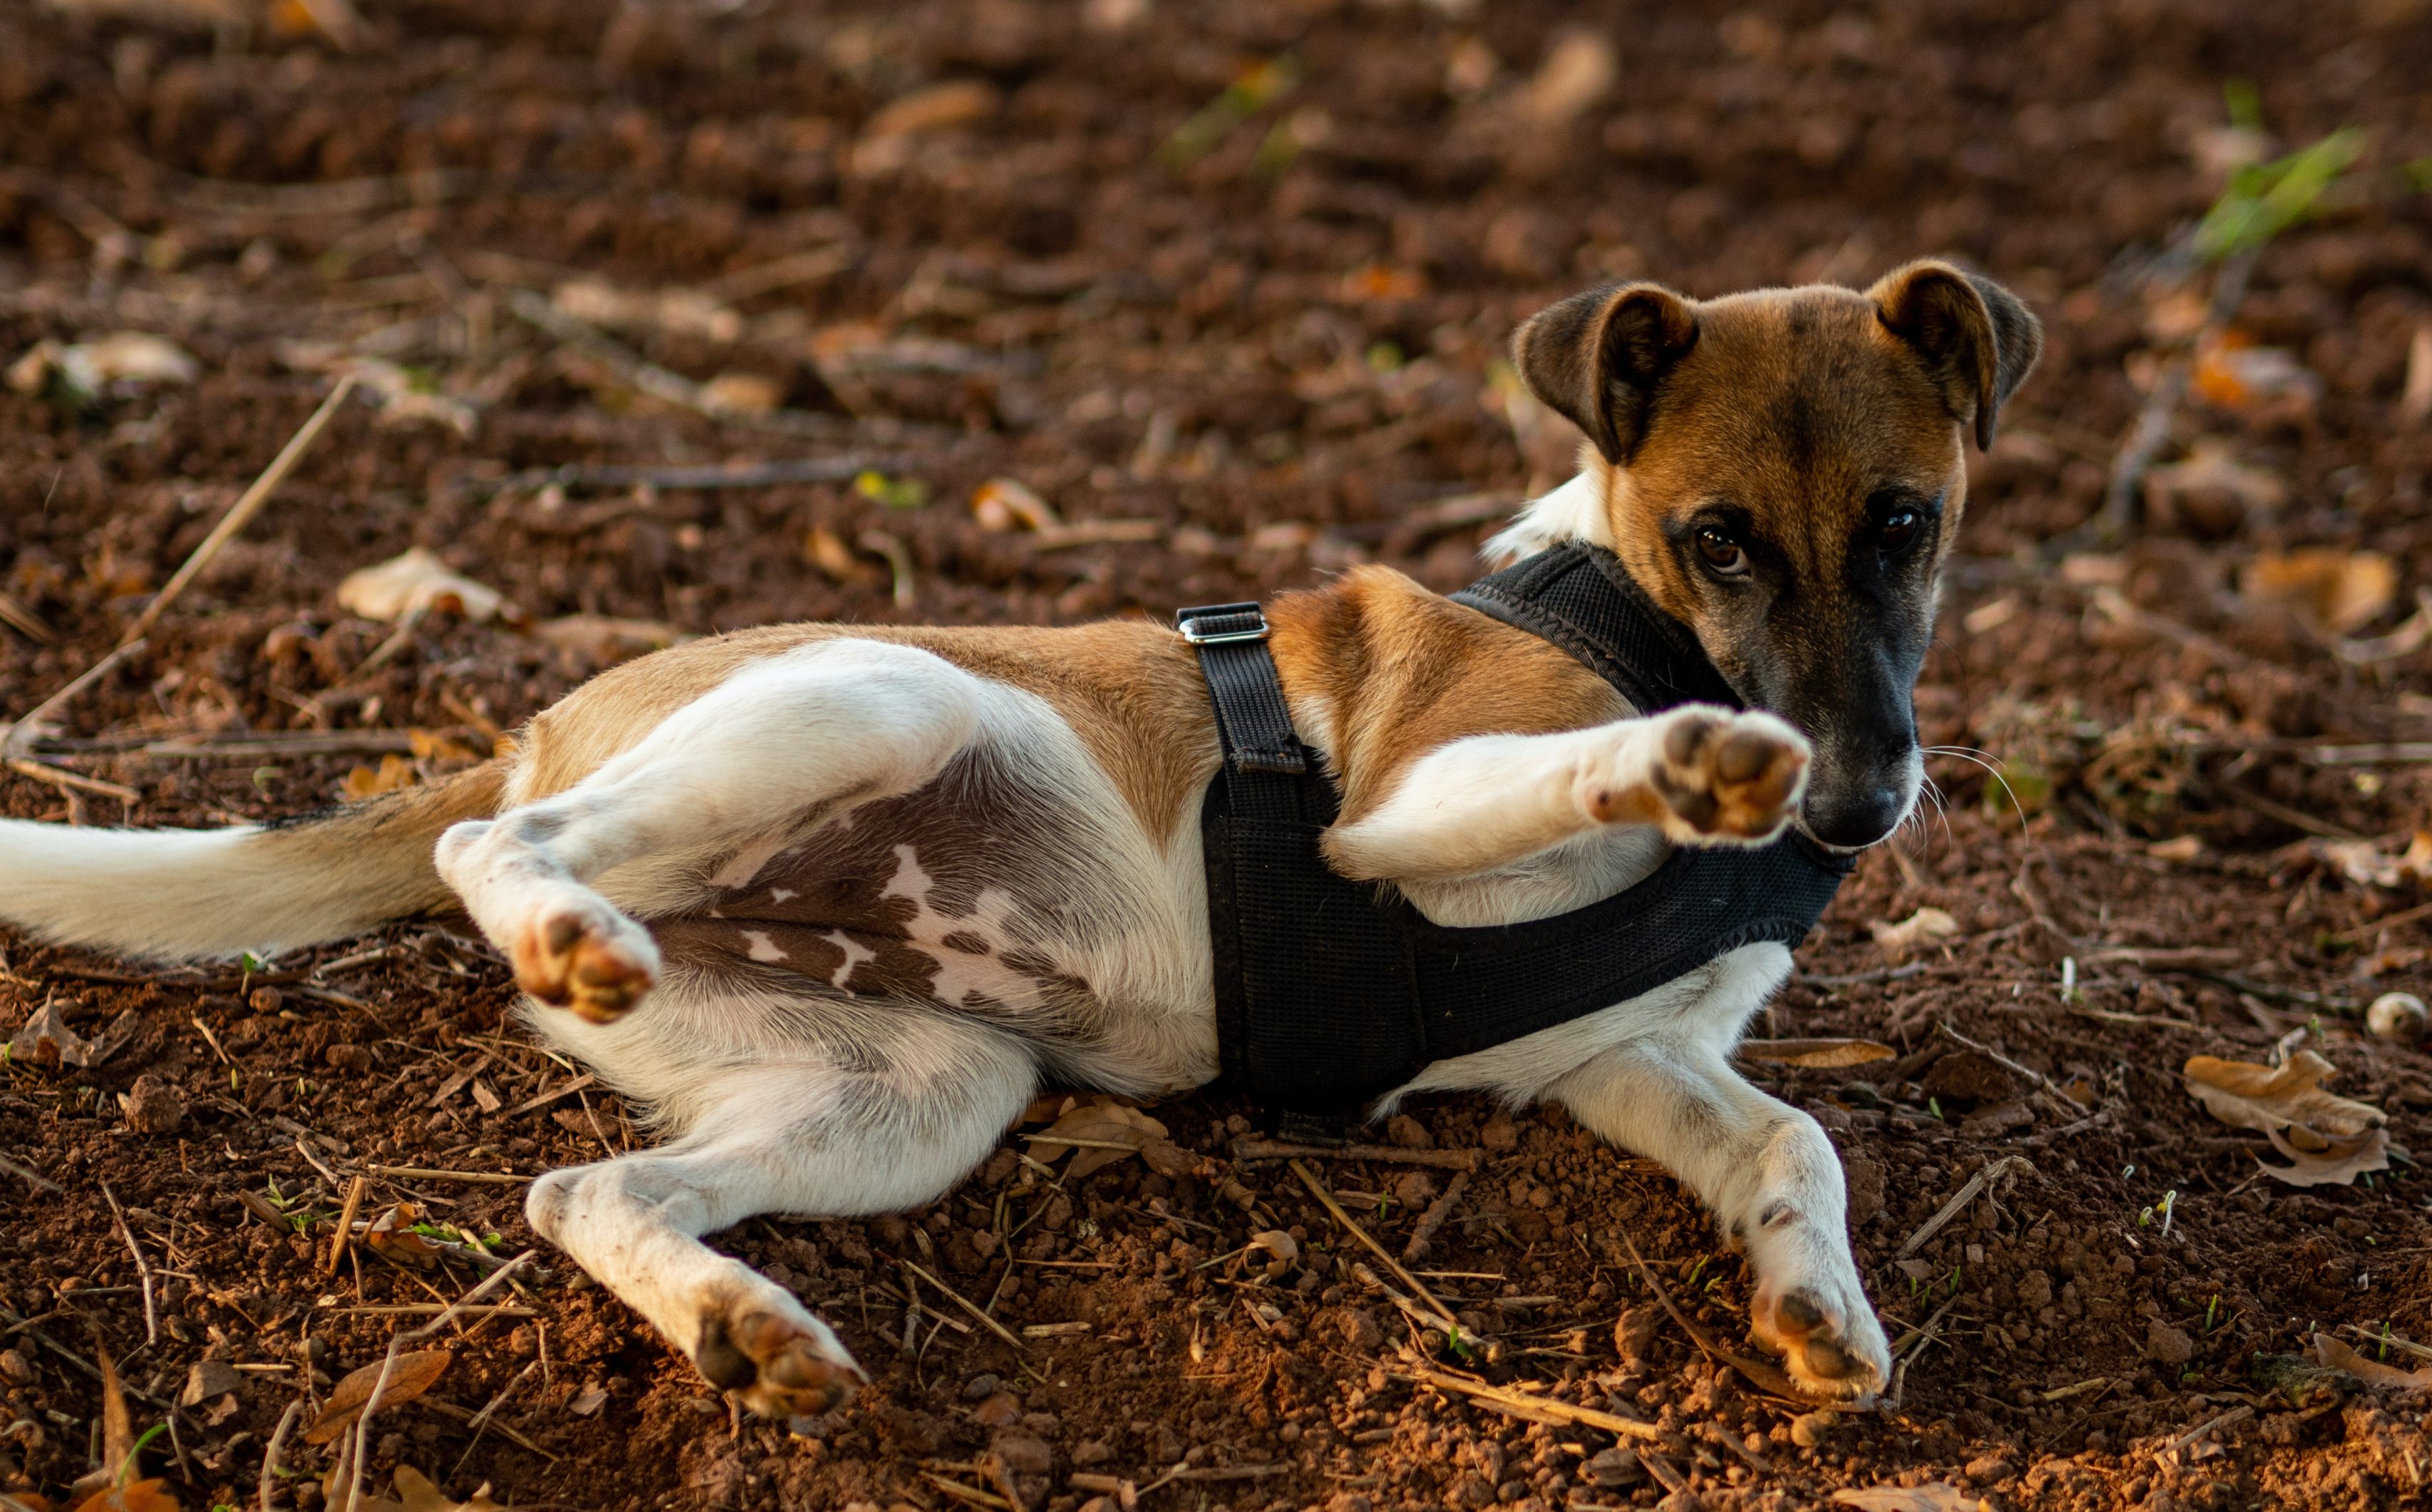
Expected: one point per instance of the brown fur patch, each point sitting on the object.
(1130, 689)
(1400, 671)
(380, 849)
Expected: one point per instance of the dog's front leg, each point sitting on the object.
(781, 743)
(1703, 775)
(1772, 1180)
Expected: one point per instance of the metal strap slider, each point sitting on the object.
(1222, 624)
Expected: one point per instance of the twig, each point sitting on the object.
(278, 1442)
(419, 1173)
(1418, 1287)
(345, 1233)
(1993, 1171)
(968, 1306)
(761, 475)
(2222, 1420)
(998, 1471)
(25, 622)
(563, 1089)
(243, 510)
(2034, 1079)
(1433, 1218)
(61, 776)
(31, 1179)
(1461, 1160)
(1767, 1377)
(2151, 430)
(1535, 1409)
(304, 742)
(20, 735)
(482, 1419)
(142, 1266)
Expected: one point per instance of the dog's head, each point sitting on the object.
(1782, 472)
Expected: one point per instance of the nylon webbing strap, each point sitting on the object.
(1581, 599)
(1316, 1004)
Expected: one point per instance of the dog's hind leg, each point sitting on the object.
(782, 741)
(1771, 1178)
(886, 1120)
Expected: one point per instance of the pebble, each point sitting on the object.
(1409, 1133)
(1810, 1429)
(1024, 1454)
(980, 1387)
(1986, 1469)
(2171, 1346)
(1500, 1134)
(16, 1367)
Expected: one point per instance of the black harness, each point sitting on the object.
(1331, 991)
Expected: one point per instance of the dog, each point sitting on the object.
(836, 901)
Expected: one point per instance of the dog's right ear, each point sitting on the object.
(1597, 358)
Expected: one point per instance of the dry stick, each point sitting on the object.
(2223, 1420)
(246, 507)
(37, 1182)
(388, 1367)
(2153, 429)
(61, 776)
(1765, 1376)
(345, 1225)
(142, 1266)
(1461, 1160)
(417, 1173)
(278, 1442)
(762, 475)
(480, 1419)
(1418, 1287)
(968, 1306)
(1959, 1198)
(1521, 1404)
(2040, 1083)
(1433, 1218)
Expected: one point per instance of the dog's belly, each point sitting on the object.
(1015, 888)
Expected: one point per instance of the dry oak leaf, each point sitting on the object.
(411, 1377)
(137, 1496)
(2336, 591)
(2331, 1140)
(1816, 1053)
(363, 782)
(1101, 1125)
(1901, 940)
(416, 578)
(414, 1492)
(392, 1237)
(2333, 1355)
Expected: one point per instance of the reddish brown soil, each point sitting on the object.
(1280, 359)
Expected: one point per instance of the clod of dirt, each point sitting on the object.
(1409, 1133)
(1001, 1410)
(2167, 1344)
(1500, 1134)
(1634, 1334)
(1024, 1454)
(1969, 1076)
(1613, 1466)
(1867, 1182)
(206, 1379)
(1810, 1430)
(153, 1105)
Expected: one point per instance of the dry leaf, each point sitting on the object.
(1815, 1055)
(142, 1496)
(392, 1237)
(939, 107)
(824, 549)
(2338, 1162)
(2336, 591)
(1901, 940)
(434, 746)
(413, 1375)
(606, 632)
(416, 578)
(741, 393)
(676, 311)
(364, 783)
(1933, 1496)
(2236, 376)
(2246, 1096)
(45, 1040)
(1003, 504)
(414, 1492)
(2333, 1355)
(1282, 1249)
(2362, 861)
(2212, 486)
(1102, 1124)
(89, 367)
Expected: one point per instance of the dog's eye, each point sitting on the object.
(1898, 532)
(1721, 552)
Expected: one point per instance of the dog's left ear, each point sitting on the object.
(1977, 342)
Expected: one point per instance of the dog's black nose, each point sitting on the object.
(1855, 818)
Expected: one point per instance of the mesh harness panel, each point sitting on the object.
(1329, 991)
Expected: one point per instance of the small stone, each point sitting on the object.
(1502, 1136)
(980, 1387)
(153, 1106)
(16, 1367)
(1811, 1428)
(1409, 1133)
(1998, 1119)
(1415, 1190)
(1968, 1075)
(1350, 1501)
(2168, 1345)
(1987, 1469)
(1360, 1330)
(354, 1059)
(267, 1000)
(1001, 1410)
(209, 1379)
(1617, 1465)
(1090, 1452)
(1471, 1494)
(1024, 1454)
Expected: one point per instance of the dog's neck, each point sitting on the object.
(1580, 510)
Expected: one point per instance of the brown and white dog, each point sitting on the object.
(833, 901)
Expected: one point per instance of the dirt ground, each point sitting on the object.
(1227, 287)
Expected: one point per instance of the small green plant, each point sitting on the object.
(2267, 198)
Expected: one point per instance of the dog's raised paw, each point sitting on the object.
(1831, 1352)
(778, 1366)
(597, 966)
(1730, 776)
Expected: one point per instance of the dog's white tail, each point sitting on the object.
(184, 895)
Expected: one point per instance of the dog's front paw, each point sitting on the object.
(1726, 777)
(1826, 1335)
(777, 1358)
(587, 957)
